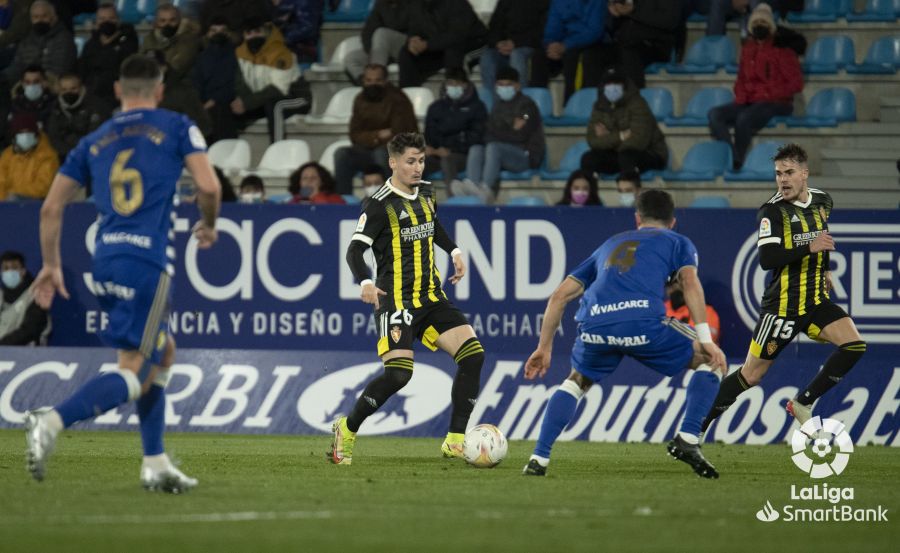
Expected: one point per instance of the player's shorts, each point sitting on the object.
(398, 329)
(773, 333)
(666, 346)
(136, 297)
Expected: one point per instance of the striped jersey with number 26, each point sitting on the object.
(133, 162)
(797, 287)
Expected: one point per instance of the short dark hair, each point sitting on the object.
(377, 66)
(139, 75)
(10, 255)
(655, 204)
(374, 169)
(507, 74)
(405, 140)
(791, 152)
(456, 74)
(632, 175)
(34, 68)
(328, 183)
(253, 180)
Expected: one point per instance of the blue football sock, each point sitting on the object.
(151, 410)
(97, 396)
(558, 415)
(701, 392)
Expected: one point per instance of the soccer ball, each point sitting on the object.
(484, 446)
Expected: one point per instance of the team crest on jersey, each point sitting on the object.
(765, 227)
(395, 333)
(197, 140)
(771, 347)
(362, 223)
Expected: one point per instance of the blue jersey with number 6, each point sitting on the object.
(625, 278)
(133, 162)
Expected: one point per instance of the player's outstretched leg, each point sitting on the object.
(836, 367)
(685, 446)
(558, 415)
(469, 360)
(732, 386)
(98, 395)
(397, 372)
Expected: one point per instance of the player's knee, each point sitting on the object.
(168, 357)
(858, 347)
(584, 383)
(397, 377)
(470, 357)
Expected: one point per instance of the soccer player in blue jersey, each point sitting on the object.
(133, 162)
(622, 312)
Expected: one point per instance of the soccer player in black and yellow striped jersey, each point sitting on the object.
(399, 223)
(793, 243)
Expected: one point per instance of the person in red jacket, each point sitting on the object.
(313, 184)
(769, 75)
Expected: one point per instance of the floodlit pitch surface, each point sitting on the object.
(264, 493)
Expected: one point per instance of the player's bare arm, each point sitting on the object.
(49, 280)
(695, 300)
(539, 361)
(209, 198)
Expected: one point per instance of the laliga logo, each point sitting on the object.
(825, 435)
(426, 396)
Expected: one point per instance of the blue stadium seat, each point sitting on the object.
(463, 200)
(351, 199)
(527, 201)
(829, 54)
(577, 111)
(527, 174)
(699, 105)
(704, 162)
(877, 10)
(819, 11)
(485, 96)
(349, 11)
(711, 202)
(707, 55)
(278, 198)
(571, 161)
(758, 166)
(883, 57)
(135, 11)
(827, 108)
(660, 101)
(542, 98)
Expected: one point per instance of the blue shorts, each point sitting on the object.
(136, 296)
(665, 346)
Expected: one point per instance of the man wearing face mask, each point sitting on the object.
(453, 124)
(28, 165)
(214, 78)
(32, 95)
(252, 190)
(178, 39)
(48, 44)
(628, 185)
(373, 178)
(74, 115)
(622, 133)
(111, 42)
(380, 111)
(769, 75)
(22, 322)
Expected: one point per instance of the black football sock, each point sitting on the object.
(397, 372)
(469, 358)
(838, 365)
(732, 386)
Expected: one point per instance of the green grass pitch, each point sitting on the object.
(277, 493)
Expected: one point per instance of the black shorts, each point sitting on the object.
(773, 333)
(397, 329)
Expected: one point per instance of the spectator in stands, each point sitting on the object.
(628, 185)
(769, 75)
(28, 165)
(453, 123)
(677, 309)
(299, 21)
(622, 132)
(74, 115)
(581, 190)
(373, 179)
(215, 77)
(313, 184)
(32, 95)
(228, 194)
(177, 38)
(515, 32)
(48, 44)
(111, 42)
(572, 34)
(15, 22)
(268, 70)
(252, 190)
(22, 321)
(235, 12)
(514, 140)
(719, 12)
(384, 34)
(380, 111)
(441, 33)
(179, 95)
(647, 32)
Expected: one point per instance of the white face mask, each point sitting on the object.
(505, 93)
(26, 141)
(455, 92)
(33, 91)
(252, 198)
(372, 189)
(12, 278)
(626, 199)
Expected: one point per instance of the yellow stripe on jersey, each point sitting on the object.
(817, 297)
(398, 263)
(785, 276)
(417, 257)
(804, 267)
(432, 270)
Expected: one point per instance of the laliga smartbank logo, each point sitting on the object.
(821, 448)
